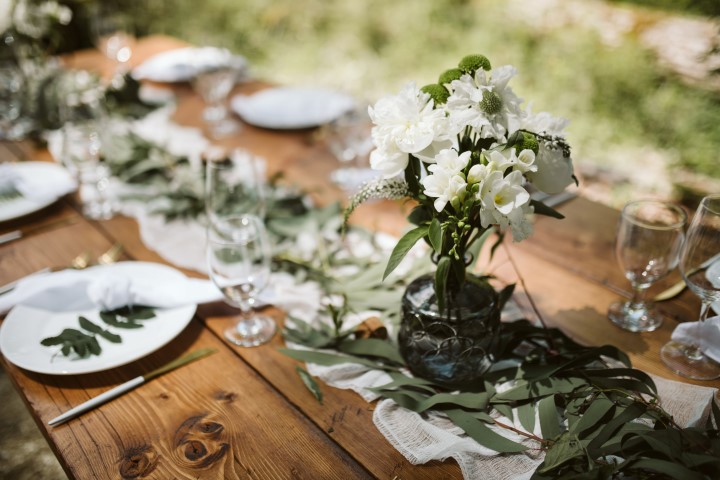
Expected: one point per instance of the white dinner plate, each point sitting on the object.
(51, 178)
(24, 328)
(182, 64)
(290, 108)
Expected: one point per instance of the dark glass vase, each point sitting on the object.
(452, 347)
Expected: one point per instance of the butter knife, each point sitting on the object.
(677, 288)
(129, 385)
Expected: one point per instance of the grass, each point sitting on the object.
(621, 103)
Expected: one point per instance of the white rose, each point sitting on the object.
(554, 173)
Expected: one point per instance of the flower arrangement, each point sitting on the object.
(467, 152)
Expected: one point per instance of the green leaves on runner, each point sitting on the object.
(84, 343)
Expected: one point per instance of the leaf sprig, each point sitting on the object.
(84, 343)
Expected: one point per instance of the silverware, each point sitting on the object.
(18, 234)
(10, 236)
(129, 385)
(677, 288)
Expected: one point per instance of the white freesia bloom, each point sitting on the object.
(446, 182)
(503, 199)
(524, 162)
(406, 122)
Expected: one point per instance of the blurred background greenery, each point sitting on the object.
(635, 77)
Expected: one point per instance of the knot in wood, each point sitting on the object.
(195, 450)
(138, 462)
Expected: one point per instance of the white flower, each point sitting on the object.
(503, 200)
(388, 159)
(406, 122)
(555, 171)
(6, 7)
(446, 182)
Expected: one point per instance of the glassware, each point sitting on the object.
(213, 82)
(112, 30)
(700, 268)
(453, 347)
(238, 256)
(648, 243)
(234, 185)
(11, 98)
(83, 117)
(348, 139)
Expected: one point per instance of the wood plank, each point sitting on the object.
(214, 418)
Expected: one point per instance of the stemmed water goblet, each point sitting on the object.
(348, 139)
(83, 118)
(215, 77)
(238, 256)
(234, 185)
(700, 268)
(112, 30)
(648, 243)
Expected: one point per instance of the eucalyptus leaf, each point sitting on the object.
(310, 383)
(549, 421)
(403, 247)
(372, 347)
(565, 449)
(526, 415)
(478, 431)
(542, 209)
(91, 327)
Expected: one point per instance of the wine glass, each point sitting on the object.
(83, 119)
(348, 139)
(238, 256)
(234, 185)
(648, 243)
(700, 268)
(217, 73)
(11, 98)
(112, 30)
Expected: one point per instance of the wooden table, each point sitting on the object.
(244, 413)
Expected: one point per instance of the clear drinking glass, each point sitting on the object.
(238, 256)
(700, 268)
(648, 243)
(11, 98)
(112, 30)
(234, 185)
(83, 118)
(213, 83)
(348, 139)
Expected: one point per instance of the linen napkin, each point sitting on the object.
(38, 188)
(106, 289)
(705, 335)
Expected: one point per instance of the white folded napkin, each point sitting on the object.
(98, 287)
(183, 64)
(706, 335)
(38, 188)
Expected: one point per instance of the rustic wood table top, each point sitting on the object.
(242, 412)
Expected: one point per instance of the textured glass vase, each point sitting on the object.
(452, 347)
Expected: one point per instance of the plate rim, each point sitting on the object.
(33, 205)
(182, 311)
(239, 98)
